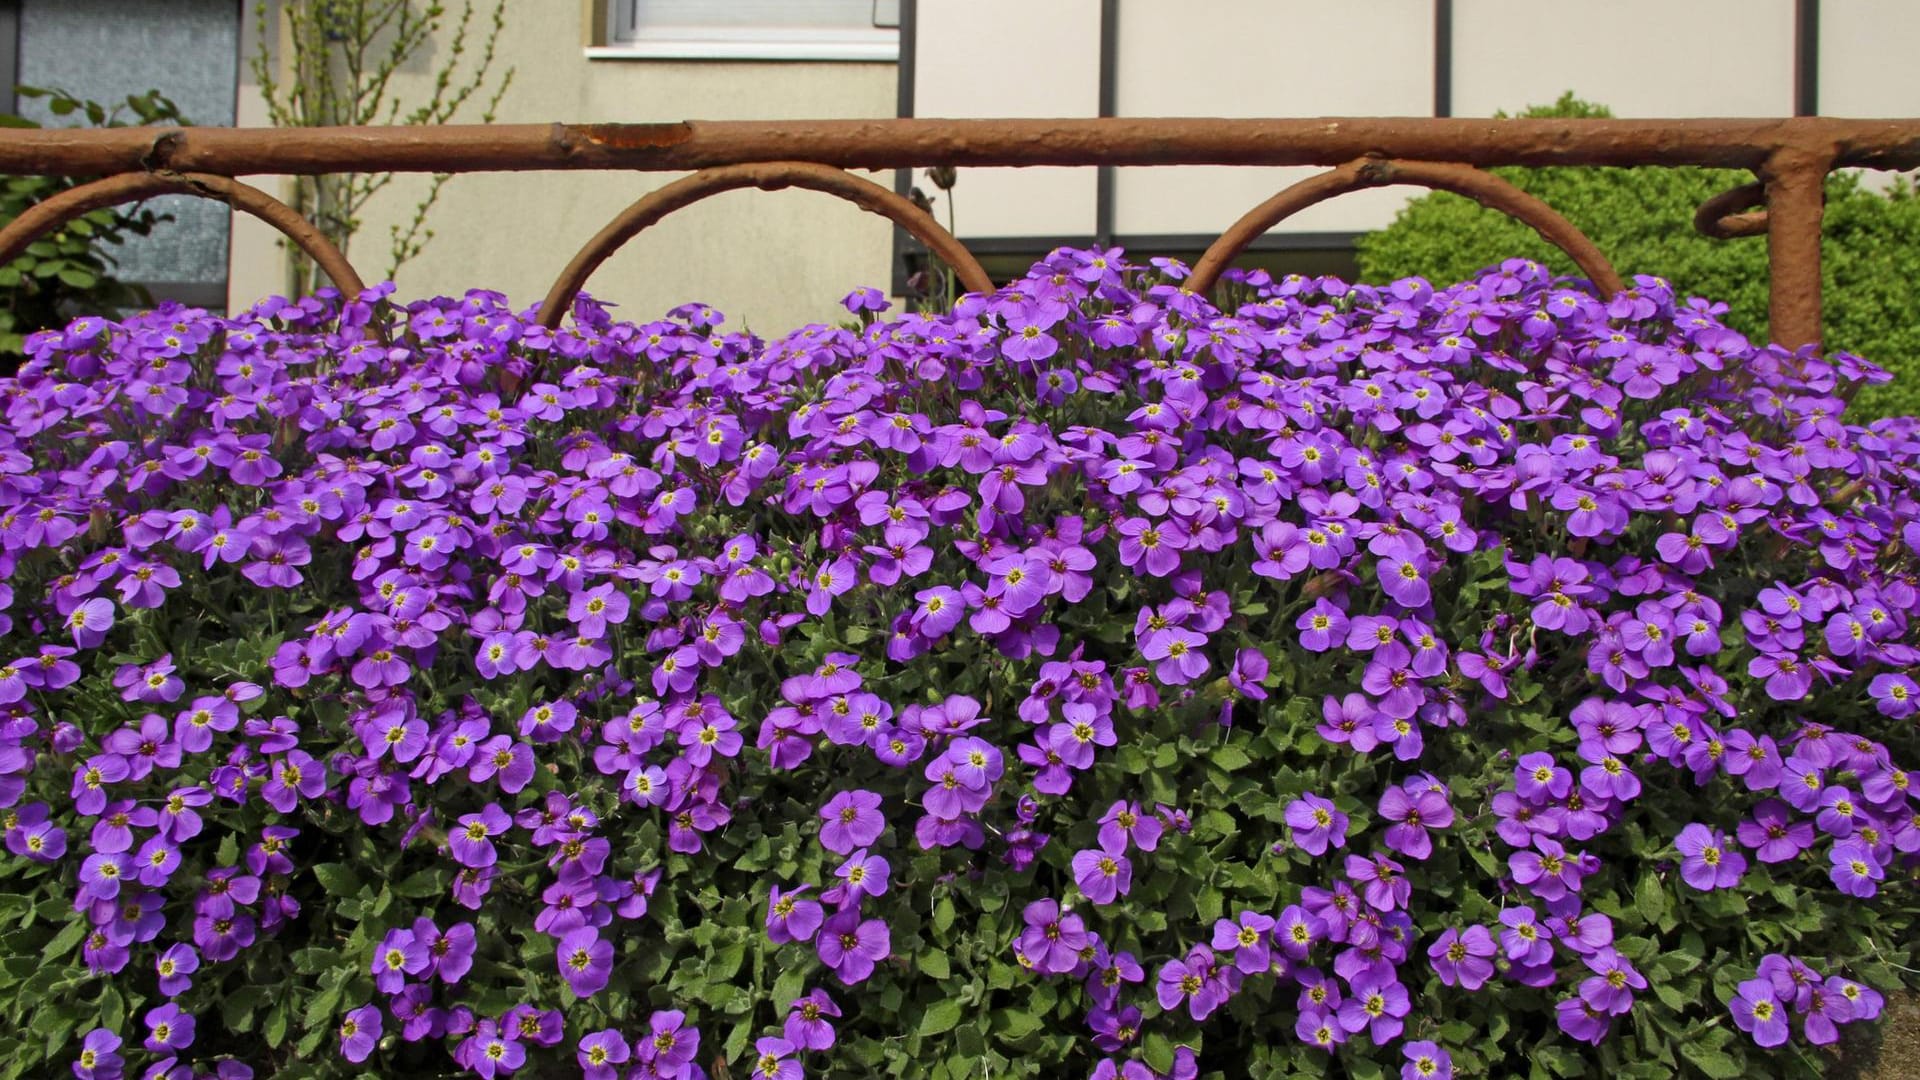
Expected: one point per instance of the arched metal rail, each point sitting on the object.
(1789, 158)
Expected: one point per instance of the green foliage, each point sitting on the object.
(1642, 219)
(339, 70)
(70, 271)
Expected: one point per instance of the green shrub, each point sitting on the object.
(70, 271)
(1642, 218)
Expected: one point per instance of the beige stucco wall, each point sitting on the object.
(770, 260)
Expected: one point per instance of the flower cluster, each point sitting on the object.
(892, 693)
(1786, 986)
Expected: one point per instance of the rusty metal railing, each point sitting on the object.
(1790, 159)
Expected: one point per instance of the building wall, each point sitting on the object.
(769, 260)
(1304, 58)
(776, 259)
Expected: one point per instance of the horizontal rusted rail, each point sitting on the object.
(1789, 158)
(887, 144)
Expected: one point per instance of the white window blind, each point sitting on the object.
(755, 30)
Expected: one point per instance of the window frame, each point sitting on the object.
(850, 44)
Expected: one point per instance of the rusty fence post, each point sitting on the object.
(1795, 179)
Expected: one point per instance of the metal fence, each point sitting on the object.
(1789, 158)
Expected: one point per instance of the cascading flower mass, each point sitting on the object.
(1087, 681)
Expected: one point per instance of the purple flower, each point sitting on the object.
(450, 953)
(1788, 677)
(1176, 654)
(175, 967)
(1151, 546)
(1549, 871)
(1610, 988)
(99, 1057)
(852, 820)
(1248, 940)
(1319, 1029)
(1190, 981)
(1527, 942)
(400, 954)
(1321, 626)
(1758, 1013)
(101, 875)
(1855, 870)
(1426, 1061)
(1297, 930)
(1411, 812)
(471, 840)
(1376, 1007)
(597, 608)
(295, 776)
(1894, 694)
(90, 621)
(808, 1025)
(852, 947)
(490, 1052)
(670, 1043)
(1826, 1008)
(1403, 579)
(1104, 877)
(792, 917)
(830, 581)
(1707, 861)
(360, 1033)
(1027, 340)
(586, 961)
(1125, 823)
(1537, 778)
(168, 1029)
(773, 1060)
(600, 1053)
(864, 874)
(1052, 940)
(1463, 958)
(1773, 834)
(1316, 824)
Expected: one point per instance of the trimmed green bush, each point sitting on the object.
(1642, 218)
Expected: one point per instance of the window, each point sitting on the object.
(104, 50)
(753, 30)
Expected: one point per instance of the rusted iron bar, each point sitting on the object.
(1721, 217)
(1795, 181)
(886, 144)
(1485, 188)
(50, 213)
(686, 191)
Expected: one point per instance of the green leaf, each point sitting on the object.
(320, 1008)
(1714, 1063)
(1158, 1053)
(933, 964)
(1013, 1025)
(423, 884)
(237, 1007)
(69, 936)
(1650, 899)
(942, 1016)
(1671, 997)
(1364, 1069)
(337, 878)
(77, 278)
(275, 1029)
(726, 962)
(790, 984)
(1231, 758)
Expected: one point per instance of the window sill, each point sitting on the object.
(852, 46)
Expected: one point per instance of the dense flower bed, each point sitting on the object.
(1088, 682)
